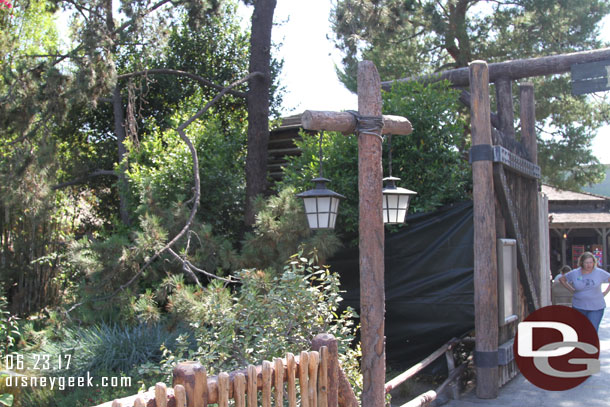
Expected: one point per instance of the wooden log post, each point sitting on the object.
(371, 242)
(485, 263)
(528, 120)
(371, 231)
(180, 395)
(291, 368)
(278, 371)
(506, 113)
(333, 364)
(193, 377)
(161, 395)
(529, 140)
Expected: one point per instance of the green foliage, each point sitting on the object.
(161, 174)
(108, 348)
(280, 229)
(407, 38)
(9, 328)
(427, 161)
(6, 399)
(258, 320)
(411, 38)
(568, 160)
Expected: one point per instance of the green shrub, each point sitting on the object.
(268, 315)
(280, 230)
(109, 348)
(9, 328)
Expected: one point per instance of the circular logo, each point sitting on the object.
(556, 348)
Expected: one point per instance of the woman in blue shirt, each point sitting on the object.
(585, 282)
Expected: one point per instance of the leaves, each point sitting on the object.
(411, 38)
(6, 399)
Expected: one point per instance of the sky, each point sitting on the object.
(303, 29)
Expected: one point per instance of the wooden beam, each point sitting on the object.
(418, 367)
(510, 213)
(572, 225)
(485, 262)
(530, 142)
(605, 246)
(465, 99)
(346, 122)
(371, 237)
(506, 113)
(516, 69)
(528, 120)
(603, 232)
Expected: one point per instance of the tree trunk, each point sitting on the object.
(119, 131)
(258, 104)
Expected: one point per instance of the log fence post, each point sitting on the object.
(193, 377)
(485, 262)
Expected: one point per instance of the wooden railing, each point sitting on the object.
(321, 383)
(427, 397)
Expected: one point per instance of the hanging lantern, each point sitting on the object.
(395, 199)
(395, 202)
(321, 205)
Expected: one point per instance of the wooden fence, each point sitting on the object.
(321, 383)
(431, 395)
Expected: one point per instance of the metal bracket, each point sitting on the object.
(481, 152)
(486, 359)
(499, 154)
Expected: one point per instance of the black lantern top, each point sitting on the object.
(391, 187)
(320, 190)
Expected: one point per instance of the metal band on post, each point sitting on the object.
(486, 359)
(371, 125)
(481, 152)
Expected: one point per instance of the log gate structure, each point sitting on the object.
(507, 202)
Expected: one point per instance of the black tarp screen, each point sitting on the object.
(428, 282)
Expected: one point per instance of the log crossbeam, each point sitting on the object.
(346, 122)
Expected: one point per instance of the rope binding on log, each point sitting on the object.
(369, 125)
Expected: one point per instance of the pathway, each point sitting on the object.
(594, 392)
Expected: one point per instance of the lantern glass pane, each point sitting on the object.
(335, 205)
(324, 204)
(333, 219)
(385, 214)
(401, 214)
(312, 219)
(392, 201)
(404, 202)
(323, 219)
(310, 205)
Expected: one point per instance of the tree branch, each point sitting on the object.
(195, 199)
(193, 76)
(84, 179)
(188, 267)
(115, 32)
